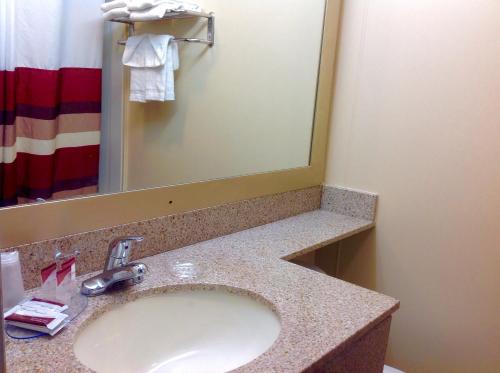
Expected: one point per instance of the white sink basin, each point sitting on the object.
(187, 331)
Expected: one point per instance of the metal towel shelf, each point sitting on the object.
(210, 40)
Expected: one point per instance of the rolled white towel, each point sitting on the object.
(105, 7)
(173, 5)
(190, 6)
(116, 13)
(151, 14)
(135, 5)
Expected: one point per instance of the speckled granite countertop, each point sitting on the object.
(319, 314)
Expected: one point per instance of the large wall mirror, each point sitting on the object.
(242, 107)
(246, 106)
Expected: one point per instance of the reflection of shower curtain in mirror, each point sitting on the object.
(50, 98)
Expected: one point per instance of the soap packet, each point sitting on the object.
(38, 315)
(44, 305)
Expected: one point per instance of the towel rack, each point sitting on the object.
(210, 40)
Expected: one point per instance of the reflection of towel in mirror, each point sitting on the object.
(105, 7)
(173, 5)
(150, 14)
(122, 12)
(149, 11)
(152, 60)
(145, 10)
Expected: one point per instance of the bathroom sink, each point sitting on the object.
(182, 331)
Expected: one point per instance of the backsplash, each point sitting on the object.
(350, 202)
(168, 232)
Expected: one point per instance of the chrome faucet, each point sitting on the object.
(117, 268)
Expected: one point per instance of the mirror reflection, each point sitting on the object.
(81, 113)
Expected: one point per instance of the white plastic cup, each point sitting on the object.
(12, 280)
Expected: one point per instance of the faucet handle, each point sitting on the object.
(119, 251)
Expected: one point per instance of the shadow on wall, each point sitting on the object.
(353, 259)
(358, 260)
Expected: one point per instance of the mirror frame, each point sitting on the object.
(36, 222)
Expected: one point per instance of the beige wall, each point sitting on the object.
(244, 106)
(417, 119)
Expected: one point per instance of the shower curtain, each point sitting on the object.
(50, 98)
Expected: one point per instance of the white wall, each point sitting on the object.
(417, 119)
(244, 106)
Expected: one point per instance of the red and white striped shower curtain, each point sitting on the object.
(50, 98)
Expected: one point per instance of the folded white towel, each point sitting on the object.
(146, 50)
(141, 4)
(152, 60)
(113, 4)
(151, 14)
(172, 65)
(116, 13)
(145, 10)
(184, 5)
(144, 7)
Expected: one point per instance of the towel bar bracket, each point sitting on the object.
(210, 40)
